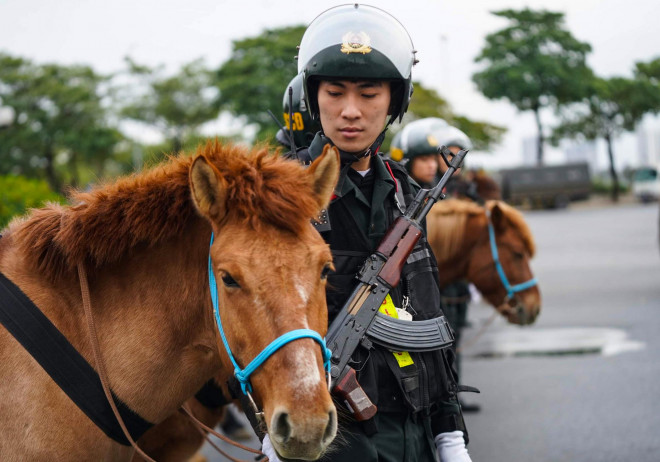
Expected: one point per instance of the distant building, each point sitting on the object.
(581, 151)
(648, 145)
(529, 150)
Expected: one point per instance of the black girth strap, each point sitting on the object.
(211, 396)
(63, 363)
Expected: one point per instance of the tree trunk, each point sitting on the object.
(613, 175)
(73, 169)
(540, 140)
(176, 144)
(51, 177)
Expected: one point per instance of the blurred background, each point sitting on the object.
(559, 97)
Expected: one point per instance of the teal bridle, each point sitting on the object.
(243, 375)
(510, 290)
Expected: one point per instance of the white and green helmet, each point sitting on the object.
(357, 42)
(424, 136)
(303, 127)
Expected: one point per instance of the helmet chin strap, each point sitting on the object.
(350, 157)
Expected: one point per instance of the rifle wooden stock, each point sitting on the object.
(354, 396)
(399, 243)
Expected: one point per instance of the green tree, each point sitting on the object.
(613, 106)
(18, 194)
(534, 63)
(647, 76)
(426, 102)
(648, 71)
(176, 105)
(254, 79)
(60, 120)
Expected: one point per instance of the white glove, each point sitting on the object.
(475, 295)
(267, 448)
(451, 447)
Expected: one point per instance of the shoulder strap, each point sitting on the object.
(72, 373)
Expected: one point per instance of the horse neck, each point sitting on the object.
(456, 266)
(155, 334)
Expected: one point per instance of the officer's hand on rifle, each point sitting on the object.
(451, 447)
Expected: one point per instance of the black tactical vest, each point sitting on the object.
(429, 380)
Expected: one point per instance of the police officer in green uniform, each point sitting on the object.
(416, 148)
(298, 124)
(356, 63)
(420, 139)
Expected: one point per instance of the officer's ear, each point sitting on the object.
(325, 173)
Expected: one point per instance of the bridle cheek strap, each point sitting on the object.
(510, 290)
(243, 375)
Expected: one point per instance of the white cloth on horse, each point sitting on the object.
(451, 447)
(267, 448)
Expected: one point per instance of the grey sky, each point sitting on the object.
(447, 35)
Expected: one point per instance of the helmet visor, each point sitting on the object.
(357, 33)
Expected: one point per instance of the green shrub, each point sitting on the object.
(601, 186)
(18, 194)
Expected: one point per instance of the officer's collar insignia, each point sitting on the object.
(355, 42)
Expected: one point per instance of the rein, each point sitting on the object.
(243, 375)
(103, 376)
(100, 365)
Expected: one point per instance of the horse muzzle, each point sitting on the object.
(303, 438)
(518, 312)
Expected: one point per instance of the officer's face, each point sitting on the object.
(424, 168)
(353, 113)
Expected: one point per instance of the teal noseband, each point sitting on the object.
(243, 375)
(510, 290)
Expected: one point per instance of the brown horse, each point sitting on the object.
(145, 243)
(459, 236)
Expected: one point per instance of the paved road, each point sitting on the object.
(598, 268)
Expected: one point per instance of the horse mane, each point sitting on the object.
(147, 208)
(450, 218)
(516, 219)
(487, 188)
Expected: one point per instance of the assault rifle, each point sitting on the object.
(359, 321)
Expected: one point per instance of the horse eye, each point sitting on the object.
(518, 255)
(229, 281)
(326, 269)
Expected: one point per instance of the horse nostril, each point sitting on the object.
(331, 428)
(281, 431)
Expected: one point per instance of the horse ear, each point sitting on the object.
(208, 189)
(325, 173)
(497, 217)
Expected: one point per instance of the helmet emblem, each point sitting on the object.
(355, 42)
(431, 140)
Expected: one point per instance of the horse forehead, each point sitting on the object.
(279, 249)
(514, 239)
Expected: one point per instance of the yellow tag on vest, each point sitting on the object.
(388, 309)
